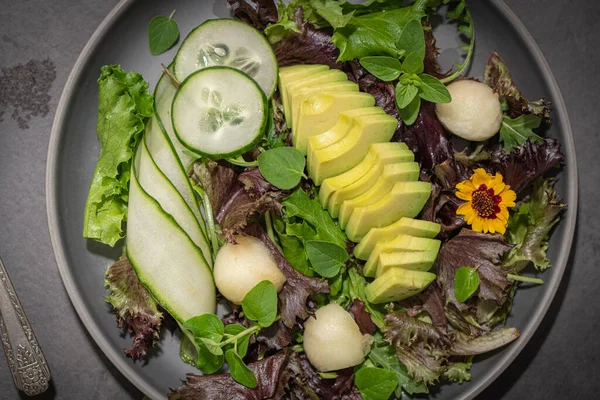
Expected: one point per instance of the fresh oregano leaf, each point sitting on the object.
(242, 343)
(212, 346)
(239, 371)
(431, 89)
(282, 166)
(162, 33)
(405, 93)
(375, 383)
(383, 67)
(326, 258)
(466, 282)
(413, 63)
(410, 113)
(260, 303)
(206, 361)
(207, 326)
(412, 39)
(515, 132)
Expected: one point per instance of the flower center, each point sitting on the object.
(485, 202)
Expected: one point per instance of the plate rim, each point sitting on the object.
(126, 367)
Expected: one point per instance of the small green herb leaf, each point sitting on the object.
(405, 93)
(433, 90)
(239, 371)
(413, 63)
(162, 34)
(385, 68)
(410, 113)
(260, 304)
(466, 282)
(207, 326)
(412, 39)
(242, 342)
(282, 166)
(206, 361)
(375, 383)
(212, 346)
(326, 258)
(515, 132)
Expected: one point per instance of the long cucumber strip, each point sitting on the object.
(160, 188)
(163, 99)
(165, 259)
(164, 156)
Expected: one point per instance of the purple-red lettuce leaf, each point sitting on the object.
(485, 253)
(427, 138)
(293, 298)
(430, 301)
(135, 308)
(530, 225)
(258, 13)
(362, 317)
(402, 329)
(498, 77)
(526, 163)
(223, 387)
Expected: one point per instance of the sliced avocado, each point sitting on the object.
(408, 260)
(294, 73)
(319, 78)
(367, 181)
(405, 200)
(377, 151)
(340, 129)
(303, 93)
(348, 152)
(397, 284)
(386, 153)
(400, 243)
(389, 175)
(319, 112)
(406, 226)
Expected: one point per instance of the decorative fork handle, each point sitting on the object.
(27, 363)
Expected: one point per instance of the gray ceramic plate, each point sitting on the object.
(122, 39)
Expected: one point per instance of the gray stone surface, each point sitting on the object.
(39, 43)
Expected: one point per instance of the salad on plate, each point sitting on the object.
(361, 218)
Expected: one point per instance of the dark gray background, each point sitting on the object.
(39, 43)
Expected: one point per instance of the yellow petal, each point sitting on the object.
(508, 198)
(500, 226)
(464, 209)
(480, 177)
(464, 195)
(503, 215)
(465, 187)
(477, 225)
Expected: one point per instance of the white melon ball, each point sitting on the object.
(333, 341)
(241, 266)
(474, 113)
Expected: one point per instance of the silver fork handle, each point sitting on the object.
(25, 358)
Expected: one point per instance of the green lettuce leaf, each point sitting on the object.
(124, 104)
(375, 33)
(529, 227)
(299, 205)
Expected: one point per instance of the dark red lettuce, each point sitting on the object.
(309, 46)
(362, 317)
(223, 387)
(498, 77)
(135, 308)
(258, 13)
(485, 253)
(430, 301)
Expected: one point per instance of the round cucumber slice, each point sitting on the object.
(231, 43)
(219, 112)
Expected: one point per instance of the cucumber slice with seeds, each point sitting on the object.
(219, 112)
(231, 43)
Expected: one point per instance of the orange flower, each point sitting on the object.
(487, 200)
